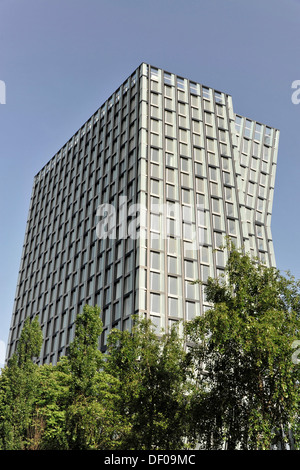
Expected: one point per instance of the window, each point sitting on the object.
(198, 169)
(182, 135)
(210, 145)
(170, 159)
(248, 128)
(170, 190)
(154, 99)
(155, 222)
(213, 174)
(169, 117)
(182, 108)
(226, 177)
(196, 127)
(189, 270)
(190, 290)
(232, 226)
(167, 79)
(222, 136)
(214, 188)
(118, 290)
(186, 196)
(266, 152)
(220, 258)
(156, 322)
(219, 239)
(154, 155)
(217, 222)
(184, 164)
(193, 88)
(172, 265)
(245, 146)
(155, 303)
(154, 187)
(154, 170)
(258, 131)
(180, 83)
(215, 205)
(206, 93)
(204, 272)
(169, 145)
(173, 307)
(190, 310)
(170, 176)
(155, 281)
(155, 260)
(154, 112)
(229, 209)
(268, 136)
(228, 194)
(128, 308)
(200, 185)
(172, 285)
(154, 126)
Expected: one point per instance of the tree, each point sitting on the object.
(241, 348)
(18, 389)
(92, 420)
(48, 427)
(153, 386)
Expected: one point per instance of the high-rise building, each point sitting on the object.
(136, 205)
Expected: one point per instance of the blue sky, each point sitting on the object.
(61, 59)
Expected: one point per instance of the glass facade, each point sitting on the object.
(136, 206)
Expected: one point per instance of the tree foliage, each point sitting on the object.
(232, 382)
(242, 351)
(131, 396)
(19, 388)
(92, 419)
(152, 373)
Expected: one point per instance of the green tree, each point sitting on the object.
(48, 429)
(153, 386)
(92, 420)
(242, 353)
(18, 389)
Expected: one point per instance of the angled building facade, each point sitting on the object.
(137, 204)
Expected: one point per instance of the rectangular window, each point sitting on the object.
(190, 310)
(189, 270)
(155, 260)
(168, 79)
(210, 145)
(155, 303)
(172, 285)
(154, 99)
(245, 147)
(232, 226)
(155, 187)
(170, 175)
(186, 196)
(184, 164)
(169, 117)
(173, 307)
(180, 83)
(155, 281)
(169, 145)
(172, 265)
(193, 88)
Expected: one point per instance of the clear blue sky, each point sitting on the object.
(61, 59)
